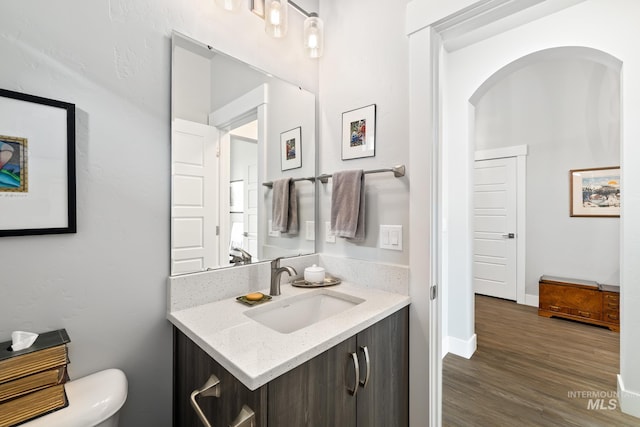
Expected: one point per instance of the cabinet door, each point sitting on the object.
(192, 368)
(315, 394)
(384, 401)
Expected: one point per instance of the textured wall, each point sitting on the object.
(107, 284)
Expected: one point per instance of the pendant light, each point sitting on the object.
(313, 36)
(276, 18)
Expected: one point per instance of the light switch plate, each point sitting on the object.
(271, 232)
(391, 237)
(311, 230)
(329, 237)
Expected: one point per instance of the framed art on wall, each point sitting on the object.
(37, 165)
(291, 148)
(595, 192)
(359, 133)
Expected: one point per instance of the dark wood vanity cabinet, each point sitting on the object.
(316, 393)
(191, 369)
(320, 393)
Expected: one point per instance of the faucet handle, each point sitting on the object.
(275, 263)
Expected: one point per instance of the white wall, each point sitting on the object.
(567, 111)
(107, 284)
(191, 82)
(366, 62)
(608, 26)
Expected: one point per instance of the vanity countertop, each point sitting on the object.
(256, 354)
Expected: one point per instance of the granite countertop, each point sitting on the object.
(256, 354)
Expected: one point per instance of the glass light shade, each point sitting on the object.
(230, 5)
(276, 17)
(313, 36)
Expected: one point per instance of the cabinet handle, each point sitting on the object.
(612, 316)
(210, 389)
(356, 366)
(554, 308)
(365, 350)
(584, 313)
(246, 418)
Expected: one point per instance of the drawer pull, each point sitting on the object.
(613, 305)
(210, 389)
(554, 308)
(612, 316)
(365, 351)
(584, 313)
(356, 366)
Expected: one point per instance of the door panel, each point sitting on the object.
(193, 210)
(494, 220)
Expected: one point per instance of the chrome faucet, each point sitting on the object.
(243, 258)
(276, 270)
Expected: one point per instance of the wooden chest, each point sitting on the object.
(581, 300)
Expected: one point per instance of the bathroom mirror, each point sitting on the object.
(235, 130)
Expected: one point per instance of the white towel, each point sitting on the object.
(347, 205)
(284, 206)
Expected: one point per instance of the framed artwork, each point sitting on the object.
(37, 165)
(257, 7)
(595, 192)
(359, 133)
(291, 148)
(236, 196)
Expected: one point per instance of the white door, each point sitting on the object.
(494, 227)
(251, 210)
(194, 195)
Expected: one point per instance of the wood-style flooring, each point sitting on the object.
(530, 371)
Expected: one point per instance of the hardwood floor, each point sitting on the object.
(533, 371)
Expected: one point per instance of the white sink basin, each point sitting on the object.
(290, 314)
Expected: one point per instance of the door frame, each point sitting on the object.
(427, 24)
(250, 106)
(520, 152)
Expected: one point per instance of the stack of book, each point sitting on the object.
(32, 380)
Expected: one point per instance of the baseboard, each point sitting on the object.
(531, 300)
(445, 347)
(629, 400)
(463, 348)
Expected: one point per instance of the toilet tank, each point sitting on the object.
(94, 400)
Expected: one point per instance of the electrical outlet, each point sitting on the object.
(391, 237)
(329, 237)
(311, 230)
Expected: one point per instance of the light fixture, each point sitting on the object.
(313, 35)
(276, 21)
(276, 18)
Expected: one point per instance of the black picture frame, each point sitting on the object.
(37, 163)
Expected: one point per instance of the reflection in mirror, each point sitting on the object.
(234, 128)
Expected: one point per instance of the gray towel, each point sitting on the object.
(284, 206)
(347, 205)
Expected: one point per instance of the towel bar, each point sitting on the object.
(309, 178)
(398, 171)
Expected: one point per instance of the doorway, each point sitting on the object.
(581, 23)
(494, 227)
(547, 207)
